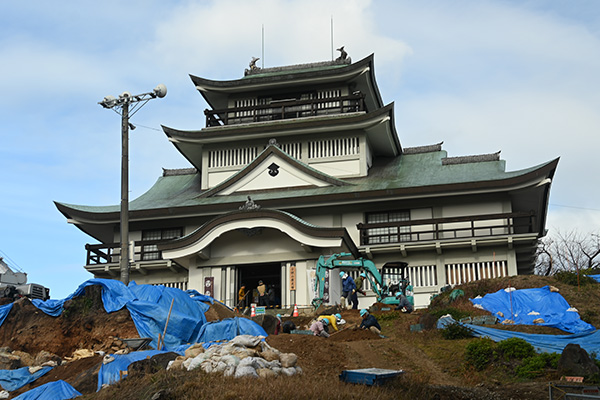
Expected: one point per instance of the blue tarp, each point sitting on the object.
(110, 373)
(525, 305)
(590, 341)
(149, 307)
(4, 310)
(13, 379)
(227, 329)
(57, 390)
(595, 277)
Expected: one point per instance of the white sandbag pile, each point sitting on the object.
(243, 355)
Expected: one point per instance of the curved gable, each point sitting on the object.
(296, 228)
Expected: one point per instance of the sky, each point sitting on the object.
(516, 76)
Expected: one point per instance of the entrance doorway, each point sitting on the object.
(270, 274)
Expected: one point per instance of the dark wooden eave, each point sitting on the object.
(362, 72)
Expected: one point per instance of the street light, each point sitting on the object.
(122, 103)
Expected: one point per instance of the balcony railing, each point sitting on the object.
(109, 253)
(285, 109)
(446, 228)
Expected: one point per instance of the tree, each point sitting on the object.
(569, 251)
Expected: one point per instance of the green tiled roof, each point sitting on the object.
(409, 171)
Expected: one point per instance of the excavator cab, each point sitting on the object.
(394, 277)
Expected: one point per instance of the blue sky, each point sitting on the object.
(481, 76)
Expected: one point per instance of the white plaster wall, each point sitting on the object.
(340, 169)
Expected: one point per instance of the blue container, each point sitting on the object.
(369, 376)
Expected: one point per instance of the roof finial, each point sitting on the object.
(343, 54)
(253, 63)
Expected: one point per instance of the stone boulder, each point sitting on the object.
(575, 361)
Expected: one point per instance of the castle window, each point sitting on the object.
(150, 251)
(388, 234)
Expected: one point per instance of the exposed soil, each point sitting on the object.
(422, 355)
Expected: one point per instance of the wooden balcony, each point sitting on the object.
(110, 253)
(285, 109)
(441, 229)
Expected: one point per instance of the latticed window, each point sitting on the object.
(388, 234)
(150, 251)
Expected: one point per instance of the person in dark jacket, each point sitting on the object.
(348, 291)
(369, 322)
(404, 304)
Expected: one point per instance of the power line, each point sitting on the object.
(578, 208)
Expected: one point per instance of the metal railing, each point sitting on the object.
(285, 109)
(108, 253)
(446, 228)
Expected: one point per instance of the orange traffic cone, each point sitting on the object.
(253, 311)
(295, 313)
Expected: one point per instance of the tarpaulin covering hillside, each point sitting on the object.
(149, 307)
(541, 305)
(590, 341)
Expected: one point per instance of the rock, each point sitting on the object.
(27, 359)
(176, 364)
(428, 321)
(575, 361)
(10, 361)
(269, 355)
(288, 360)
(266, 373)
(194, 350)
(152, 365)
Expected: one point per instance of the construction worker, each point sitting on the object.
(263, 298)
(369, 322)
(348, 291)
(404, 305)
(359, 283)
(242, 297)
(331, 320)
(318, 327)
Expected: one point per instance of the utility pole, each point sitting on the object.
(122, 103)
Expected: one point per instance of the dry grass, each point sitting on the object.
(433, 366)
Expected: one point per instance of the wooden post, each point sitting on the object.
(166, 324)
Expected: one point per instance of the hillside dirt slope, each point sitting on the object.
(433, 367)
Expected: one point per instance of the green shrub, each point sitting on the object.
(534, 366)
(456, 331)
(570, 278)
(480, 353)
(387, 316)
(515, 349)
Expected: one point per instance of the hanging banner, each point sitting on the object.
(209, 286)
(293, 277)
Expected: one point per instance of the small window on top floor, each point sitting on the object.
(388, 234)
(150, 251)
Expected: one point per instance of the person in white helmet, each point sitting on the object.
(348, 291)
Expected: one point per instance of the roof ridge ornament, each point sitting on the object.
(252, 65)
(249, 205)
(343, 55)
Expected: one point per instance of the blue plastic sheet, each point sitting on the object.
(595, 277)
(149, 308)
(590, 341)
(227, 329)
(13, 379)
(525, 305)
(4, 310)
(57, 390)
(111, 372)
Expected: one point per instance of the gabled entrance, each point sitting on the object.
(269, 273)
